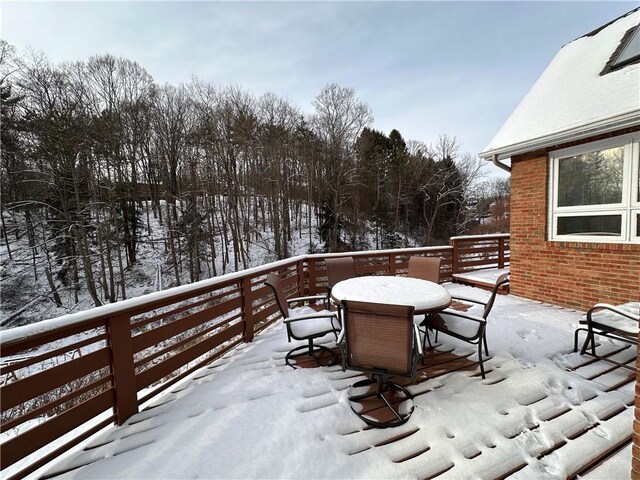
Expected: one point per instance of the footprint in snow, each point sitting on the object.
(601, 432)
(528, 334)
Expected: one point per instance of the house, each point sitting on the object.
(574, 145)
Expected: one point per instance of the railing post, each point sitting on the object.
(247, 308)
(122, 368)
(392, 264)
(311, 267)
(454, 258)
(301, 285)
(501, 252)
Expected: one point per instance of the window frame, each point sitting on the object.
(627, 208)
(634, 226)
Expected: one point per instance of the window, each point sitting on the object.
(595, 191)
(630, 51)
(627, 52)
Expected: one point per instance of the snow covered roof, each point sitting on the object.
(575, 97)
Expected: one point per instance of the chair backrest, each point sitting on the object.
(379, 338)
(273, 281)
(339, 269)
(425, 268)
(501, 282)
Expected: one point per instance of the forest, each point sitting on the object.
(97, 160)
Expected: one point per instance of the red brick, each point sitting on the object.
(569, 274)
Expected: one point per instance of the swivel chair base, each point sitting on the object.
(310, 350)
(383, 387)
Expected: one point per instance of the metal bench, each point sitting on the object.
(616, 322)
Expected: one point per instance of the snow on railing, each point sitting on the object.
(70, 370)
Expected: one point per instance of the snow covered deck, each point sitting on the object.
(542, 411)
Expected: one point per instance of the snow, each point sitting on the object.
(248, 415)
(617, 467)
(115, 308)
(151, 273)
(489, 276)
(490, 236)
(571, 93)
(617, 321)
(313, 322)
(144, 281)
(421, 294)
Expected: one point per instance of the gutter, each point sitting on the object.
(618, 122)
(501, 165)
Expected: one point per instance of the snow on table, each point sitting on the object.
(421, 294)
(542, 411)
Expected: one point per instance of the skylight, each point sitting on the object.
(631, 50)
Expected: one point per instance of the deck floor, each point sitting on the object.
(542, 411)
(442, 361)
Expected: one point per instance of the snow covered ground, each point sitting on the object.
(542, 412)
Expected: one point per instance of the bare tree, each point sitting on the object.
(448, 187)
(338, 120)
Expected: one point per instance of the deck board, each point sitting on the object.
(560, 416)
(441, 361)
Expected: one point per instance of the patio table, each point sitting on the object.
(424, 296)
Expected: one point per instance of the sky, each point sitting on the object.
(425, 68)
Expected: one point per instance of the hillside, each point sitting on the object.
(26, 296)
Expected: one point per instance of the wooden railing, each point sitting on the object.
(74, 375)
(477, 252)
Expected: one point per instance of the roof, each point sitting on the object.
(575, 97)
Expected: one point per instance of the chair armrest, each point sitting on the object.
(467, 299)
(466, 316)
(305, 299)
(310, 316)
(614, 309)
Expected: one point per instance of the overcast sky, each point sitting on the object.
(424, 67)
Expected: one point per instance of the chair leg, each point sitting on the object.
(480, 359)
(590, 339)
(339, 311)
(484, 340)
(313, 353)
(575, 340)
(426, 340)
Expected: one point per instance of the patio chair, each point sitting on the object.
(381, 340)
(425, 268)
(464, 325)
(338, 269)
(616, 322)
(306, 327)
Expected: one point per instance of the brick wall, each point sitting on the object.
(569, 274)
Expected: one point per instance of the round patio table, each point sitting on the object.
(424, 296)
